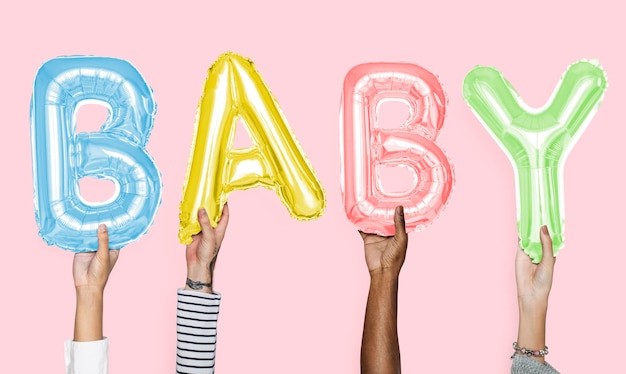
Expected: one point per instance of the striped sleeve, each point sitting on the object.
(196, 325)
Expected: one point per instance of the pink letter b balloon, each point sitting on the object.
(366, 147)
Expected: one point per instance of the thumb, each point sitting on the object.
(399, 224)
(546, 246)
(203, 219)
(103, 243)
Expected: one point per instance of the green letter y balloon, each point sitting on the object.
(537, 141)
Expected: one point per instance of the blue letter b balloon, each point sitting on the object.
(117, 152)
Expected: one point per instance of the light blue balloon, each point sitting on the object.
(117, 152)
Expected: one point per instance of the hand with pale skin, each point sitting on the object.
(202, 253)
(380, 349)
(91, 272)
(534, 282)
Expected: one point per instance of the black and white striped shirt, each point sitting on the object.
(196, 326)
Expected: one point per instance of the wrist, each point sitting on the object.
(532, 305)
(199, 272)
(204, 285)
(90, 301)
(202, 275)
(384, 275)
(89, 292)
(384, 281)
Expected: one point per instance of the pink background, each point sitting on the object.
(294, 292)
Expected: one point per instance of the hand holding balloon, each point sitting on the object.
(380, 349)
(91, 272)
(534, 282)
(202, 253)
(387, 254)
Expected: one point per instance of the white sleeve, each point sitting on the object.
(87, 357)
(196, 326)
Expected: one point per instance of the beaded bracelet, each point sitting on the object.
(529, 352)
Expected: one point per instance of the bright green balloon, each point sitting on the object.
(537, 141)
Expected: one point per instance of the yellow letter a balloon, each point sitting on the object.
(234, 90)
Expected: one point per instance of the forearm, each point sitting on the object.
(380, 351)
(532, 326)
(88, 319)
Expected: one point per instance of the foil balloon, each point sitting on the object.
(116, 152)
(537, 141)
(366, 147)
(235, 91)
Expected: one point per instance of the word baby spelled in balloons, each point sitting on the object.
(234, 90)
(366, 147)
(116, 152)
(537, 141)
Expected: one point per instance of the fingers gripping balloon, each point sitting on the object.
(537, 141)
(234, 90)
(366, 147)
(117, 152)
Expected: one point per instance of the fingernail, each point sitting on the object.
(203, 212)
(400, 210)
(102, 228)
(544, 229)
